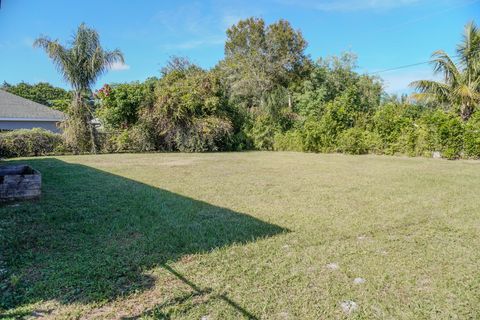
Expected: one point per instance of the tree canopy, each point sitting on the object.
(268, 94)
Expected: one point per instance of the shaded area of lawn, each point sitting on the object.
(93, 236)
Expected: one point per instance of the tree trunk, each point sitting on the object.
(78, 131)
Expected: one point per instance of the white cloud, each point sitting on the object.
(351, 5)
(119, 66)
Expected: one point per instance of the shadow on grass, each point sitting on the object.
(157, 311)
(92, 235)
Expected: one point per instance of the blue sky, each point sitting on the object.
(383, 33)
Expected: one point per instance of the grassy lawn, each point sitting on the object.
(255, 235)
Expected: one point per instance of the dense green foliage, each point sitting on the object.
(42, 92)
(120, 104)
(187, 111)
(27, 143)
(268, 94)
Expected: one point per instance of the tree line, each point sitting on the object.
(266, 94)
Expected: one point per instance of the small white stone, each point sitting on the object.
(362, 237)
(204, 318)
(332, 266)
(359, 280)
(436, 155)
(349, 306)
(286, 246)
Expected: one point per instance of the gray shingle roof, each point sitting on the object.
(15, 107)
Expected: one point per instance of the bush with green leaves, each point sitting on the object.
(406, 141)
(451, 135)
(291, 140)
(388, 123)
(262, 132)
(353, 141)
(119, 104)
(205, 134)
(440, 131)
(27, 143)
(313, 135)
(320, 135)
(472, 136)
(190, 112)
(134, 139)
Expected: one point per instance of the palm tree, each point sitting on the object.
(460, 88)
(81, 65)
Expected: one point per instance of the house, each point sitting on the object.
(20, 113)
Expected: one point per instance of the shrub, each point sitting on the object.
(27, 143)
(388, 124)
(288, 141)
(118, 104)
(472, 137)
(451, 136)
(206, 134)
(440, 131)
(373, 142)
(407, 141)
(313, 135)
(353, 141)
(263, 132)
(133, 139)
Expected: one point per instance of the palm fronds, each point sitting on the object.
(460, 88)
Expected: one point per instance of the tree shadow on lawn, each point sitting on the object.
(92, 235)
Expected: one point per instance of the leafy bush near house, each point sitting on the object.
(26, 143)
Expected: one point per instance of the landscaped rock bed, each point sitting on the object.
(19, 182)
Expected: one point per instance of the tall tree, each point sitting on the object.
(80, 64)
(259, 58)
(460, 88)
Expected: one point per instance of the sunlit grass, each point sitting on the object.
(258, 234)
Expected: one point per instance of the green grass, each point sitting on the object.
(232, 235)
